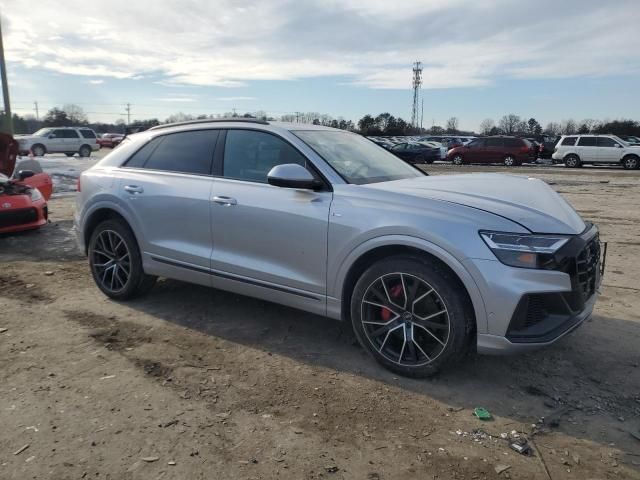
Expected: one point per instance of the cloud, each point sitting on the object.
(234, 99)
(96, 81)
(370, 43)
(176, 99)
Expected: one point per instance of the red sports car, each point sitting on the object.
(24, 194)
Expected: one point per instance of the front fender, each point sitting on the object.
(336, 283)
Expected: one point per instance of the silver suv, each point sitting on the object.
(68, 140)
(576, 150)
(425, 268)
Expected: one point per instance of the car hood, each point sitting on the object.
(527, 201)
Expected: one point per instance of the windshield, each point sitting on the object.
(355, 158)
(43, 132)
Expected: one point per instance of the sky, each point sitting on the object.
(552, 60)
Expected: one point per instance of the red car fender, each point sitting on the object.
(42, 182)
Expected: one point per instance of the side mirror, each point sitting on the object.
(23, 174)
(292, 175)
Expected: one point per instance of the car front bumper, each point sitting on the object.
(529, 308)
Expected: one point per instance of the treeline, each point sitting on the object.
(512, 124)
(73, 115)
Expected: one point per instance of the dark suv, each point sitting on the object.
(509, 151)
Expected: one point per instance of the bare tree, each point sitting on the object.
(486, 125)
(509, 124)
(553, 129)
(75, 113)
(452, 125)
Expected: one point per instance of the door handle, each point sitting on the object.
(133, 189)
(226, 201)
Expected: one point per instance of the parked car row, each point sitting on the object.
(577, 150)
(67, 140)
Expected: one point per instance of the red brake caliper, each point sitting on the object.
(396, 292)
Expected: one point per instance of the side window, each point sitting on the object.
(588, 141)
(58, 133)
(70, 134)
(184, 152)
(139, 158)
(494, 142)
(476, 143)
(512, 142)
(607, 142)
(569, 141)
(250, 155)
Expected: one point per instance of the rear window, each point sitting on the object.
(569, 141)
(87, 133)
(588, 141)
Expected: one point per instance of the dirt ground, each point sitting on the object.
(194, 383)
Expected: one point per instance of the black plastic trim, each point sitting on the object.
(227, 276)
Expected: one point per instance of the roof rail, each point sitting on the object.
(210, 120)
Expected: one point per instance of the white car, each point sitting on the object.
(68, 140)
(577, 150)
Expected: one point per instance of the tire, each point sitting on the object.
(510, 161)
(85, 151)
(572, 161)
(457, 159)
(436, 303)
(38, 150)
(69, 154)
(631, 162)
(113, 239)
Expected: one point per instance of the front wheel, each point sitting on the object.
(509, 161)
(457, 159)
(631, 162)
(115, 261)
(38, 150)
(410, 315)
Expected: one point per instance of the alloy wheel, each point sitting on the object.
(111, 261)
(405, 319)
(630, 163)
(37, 151)
(457, 160)
(509, 161)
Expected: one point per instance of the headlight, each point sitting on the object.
(522, 250)
(35, 195)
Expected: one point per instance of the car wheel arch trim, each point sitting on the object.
(86, 218)
(335, 288)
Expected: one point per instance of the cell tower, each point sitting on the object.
(417, 82)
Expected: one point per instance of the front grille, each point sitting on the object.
(18, 217)
(587, 266)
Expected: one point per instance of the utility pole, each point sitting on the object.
(422, 114)
(35, 104)
(417, 81)
(5, 89)
(128, 109)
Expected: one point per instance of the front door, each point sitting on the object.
(56, 141)
(609, 151)
(475, 150)
(268, 241)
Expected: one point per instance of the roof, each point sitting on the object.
(231, 121)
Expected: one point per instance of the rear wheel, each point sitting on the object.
(410, 315)
(631, 162)
(84, 151)
(572, 161)
(457, 159)
(115, 261)
(509, 161)
(38, 150)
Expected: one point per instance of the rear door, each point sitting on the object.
(609, 151)
(166, 187)
(587, 149)
(269, 241)
(72, 140)
(474, 151)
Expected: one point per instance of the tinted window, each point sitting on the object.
(88, 133)
(513, 142)
(569, 140)
(185, 152)
(70, 134)
(494, 142)
(607, 142)
(476, 143)
(58, 133)
(588, 141)
(250, 155)
(140, 157)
